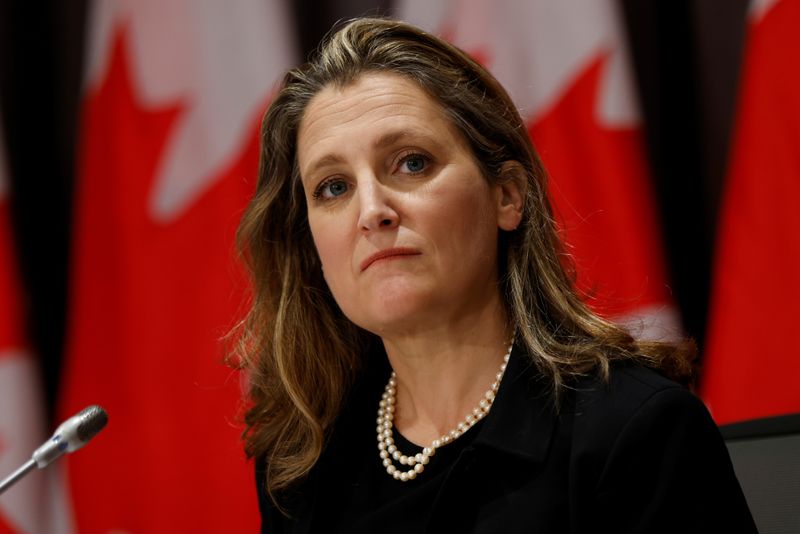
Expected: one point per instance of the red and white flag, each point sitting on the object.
(752, 363)
(566, 65)
(21, 427)
(174, 94)
(33, 505)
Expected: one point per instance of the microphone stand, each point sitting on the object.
(12, 479)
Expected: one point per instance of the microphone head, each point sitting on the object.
(71, 435)
(92, 420)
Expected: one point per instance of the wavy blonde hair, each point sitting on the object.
(300, 352)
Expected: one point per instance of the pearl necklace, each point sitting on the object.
(388, 450)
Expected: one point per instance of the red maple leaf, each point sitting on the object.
(149, 303)
(601, 191)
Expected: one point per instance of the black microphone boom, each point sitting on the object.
(73, 434)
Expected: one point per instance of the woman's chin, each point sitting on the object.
(396, 315)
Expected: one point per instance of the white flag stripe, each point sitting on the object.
(654, 323)
(759, 8)
(182, 57)
(538, 47)
(20, 432)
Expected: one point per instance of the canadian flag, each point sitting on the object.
(36, 503)
(566, 66)
(752, 363)
(174, 94)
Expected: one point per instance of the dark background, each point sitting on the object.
(686, 57)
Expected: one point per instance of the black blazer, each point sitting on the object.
(639, 454)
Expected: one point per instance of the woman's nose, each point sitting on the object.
(376, 205)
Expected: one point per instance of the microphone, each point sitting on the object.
(70, 436)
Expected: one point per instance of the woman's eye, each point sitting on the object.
(331, 189)
(414, 164)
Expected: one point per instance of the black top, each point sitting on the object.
(639, 454)
(379, 503)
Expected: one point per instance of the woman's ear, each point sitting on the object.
(511, 188)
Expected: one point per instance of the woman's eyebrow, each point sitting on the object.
(324, 161)
(391, 138)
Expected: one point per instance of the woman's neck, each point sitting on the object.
(443, 372)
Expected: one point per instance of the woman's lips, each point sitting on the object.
(387, 253)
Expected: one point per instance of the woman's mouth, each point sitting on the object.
(388, 253)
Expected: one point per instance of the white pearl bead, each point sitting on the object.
(386, 409)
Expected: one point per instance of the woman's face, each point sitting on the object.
(404, 222)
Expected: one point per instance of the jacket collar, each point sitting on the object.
(523, 417)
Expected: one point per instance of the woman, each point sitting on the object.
(407, 270)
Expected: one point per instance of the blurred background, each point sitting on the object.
(128, 149)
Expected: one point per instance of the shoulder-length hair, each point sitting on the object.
(300, 352)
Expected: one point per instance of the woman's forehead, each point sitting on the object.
(368, 93)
